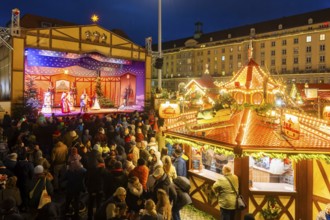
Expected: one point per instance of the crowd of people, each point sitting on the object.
(119, 160)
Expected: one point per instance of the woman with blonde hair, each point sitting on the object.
(163, 205)
(169, 168)
(150, 213)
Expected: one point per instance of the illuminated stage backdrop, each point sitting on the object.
(82, 68)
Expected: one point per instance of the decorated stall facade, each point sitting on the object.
(280, 155)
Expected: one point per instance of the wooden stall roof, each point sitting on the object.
(254, 133)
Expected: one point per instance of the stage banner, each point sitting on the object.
(291, 127)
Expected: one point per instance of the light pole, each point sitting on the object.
(160, 55)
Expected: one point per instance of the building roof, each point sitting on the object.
(251, 77)
(319, 16)
(323, 90)
(254, 132)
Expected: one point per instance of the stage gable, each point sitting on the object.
(84, 39)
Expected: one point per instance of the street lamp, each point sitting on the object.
(160, 55)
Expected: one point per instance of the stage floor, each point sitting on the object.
(102, 111)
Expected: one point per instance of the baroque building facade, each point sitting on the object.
(295, 48)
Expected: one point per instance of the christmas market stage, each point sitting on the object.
(103, 111)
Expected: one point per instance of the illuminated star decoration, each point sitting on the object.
(95, 18)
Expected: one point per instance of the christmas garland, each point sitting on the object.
(199, 146)
(256, 155)
(292, 157)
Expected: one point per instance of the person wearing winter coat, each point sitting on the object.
(113, 178)
(75, 177)
(150, 213)
(39, 183)
(9, 210)
(24, 172)
(11, 190)
(179, 163)
(162, 181)
(58, 159)
(135, 196)
(141, 171)
(225, 193)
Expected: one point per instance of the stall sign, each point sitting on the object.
(326, 113)
(311, 93)
(291, 127)
(169, 110)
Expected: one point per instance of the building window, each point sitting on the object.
(295, 69)
(223, 50)
(272, 53)
(322, 36)
(229, 36)
(215, 58)
(239, 48)
(322, 47)
(273, 44)
(295, 60)
(223, 58)
(239, 56)
(231, 57)
(239, 65)
(262, 63)
(283, 42)
(215, 52)
(284, 52)
(308, 59)
(296, 41)
(262, 54)
(308, 49)
(262, 45)
(272, 62)
(309, 39)
(283, 70)
(231, 49)
(280, 26)
(208, 52)
(322, 59)
(283, 61)
(310, 21)
(296, 50)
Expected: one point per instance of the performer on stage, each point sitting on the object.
(65, 103)
(46, 107)
(70, 99)
(96, 104)
(51, 90)
(84, 99)
(73, 92)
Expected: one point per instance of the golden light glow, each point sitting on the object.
(95, 18)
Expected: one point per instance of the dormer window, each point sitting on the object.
(280, 26)
(211, 39)
(310, 21)
(252, 32)
(229, 36)
(174, 45)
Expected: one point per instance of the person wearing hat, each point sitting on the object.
(162, 181)
(179, 163)
(38, 184)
